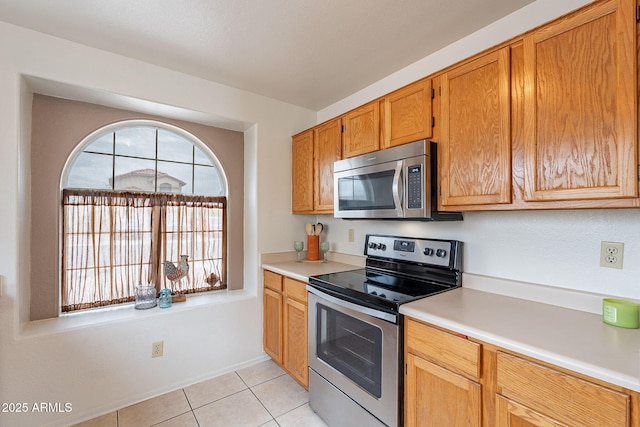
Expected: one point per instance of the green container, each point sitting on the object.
(621, 313)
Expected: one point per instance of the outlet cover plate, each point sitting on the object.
(157, 348)
(611, 254)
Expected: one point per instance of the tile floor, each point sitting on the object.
(260, 395)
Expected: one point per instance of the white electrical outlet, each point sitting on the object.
(350, 235)
(611, 254)
(156, 348)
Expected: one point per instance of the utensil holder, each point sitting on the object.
(313, 248)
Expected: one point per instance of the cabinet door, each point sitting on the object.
(512, 414)
(436, 397)
(475, 134)
(295, 340)
(302, 172)
(580, 134)
(272, 334)
(327, 149)
(361, 130)
(407, 114)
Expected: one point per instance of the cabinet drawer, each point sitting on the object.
(565, 398)
(295, 289)
(442, 348)
(272, 281)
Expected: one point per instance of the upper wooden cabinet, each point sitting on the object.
(580, 105)
(475, 144)
(302, 184)
(327, 149)
(407, 114)
(361, 130)
(313, 154)
(546, 120)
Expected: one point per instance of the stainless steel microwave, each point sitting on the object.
(395, 183)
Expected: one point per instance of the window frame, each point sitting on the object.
(110, 129)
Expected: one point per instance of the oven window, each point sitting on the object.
(352, 347)
(366, 192)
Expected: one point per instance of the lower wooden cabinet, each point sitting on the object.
(456, 402)
(285, 324)
(543, 396)
(441, 378)
(451, 380)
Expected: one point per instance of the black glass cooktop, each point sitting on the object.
(376, 289)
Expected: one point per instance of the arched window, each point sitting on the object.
(142, 203)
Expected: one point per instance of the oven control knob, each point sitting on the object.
(428, 251)
(372, 245)
(440, 253)
(382, 246)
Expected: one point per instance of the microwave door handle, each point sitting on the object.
(397, 186)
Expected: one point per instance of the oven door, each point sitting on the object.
(357, 352)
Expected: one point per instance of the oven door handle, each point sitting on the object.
(355, 307)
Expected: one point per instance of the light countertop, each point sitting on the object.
(575, 339)
(572, 339)
(305, 269)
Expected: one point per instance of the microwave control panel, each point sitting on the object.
(414, 187)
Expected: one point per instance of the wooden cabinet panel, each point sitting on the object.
(285, 324)
(436, 397)
(450, 351)
(407, 114)
(559, 396)
(361, 130)
(295, 340)
(327, 149)
(580, 105)
(272, 327)
(512, 414)
(295, 289)
(475, 132)
(302, 175)
(273, 281)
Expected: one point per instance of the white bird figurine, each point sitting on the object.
(176, 272)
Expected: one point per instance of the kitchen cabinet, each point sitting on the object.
(546, 120)
(295, 330)
(361, 130)
(442, 375)
(580, 105)
(313, 154)
(475, 144)
(302, 177)
(453, 380)
(327, 149)
(273, 310)
(407, 114)
(541, 396)
(285, 324)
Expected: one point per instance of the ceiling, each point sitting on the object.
(309, 53)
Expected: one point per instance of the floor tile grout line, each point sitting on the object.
(265, 408)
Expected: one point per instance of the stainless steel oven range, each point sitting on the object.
(355, 328)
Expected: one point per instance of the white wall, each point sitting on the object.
(101, 362)
(557, 248)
